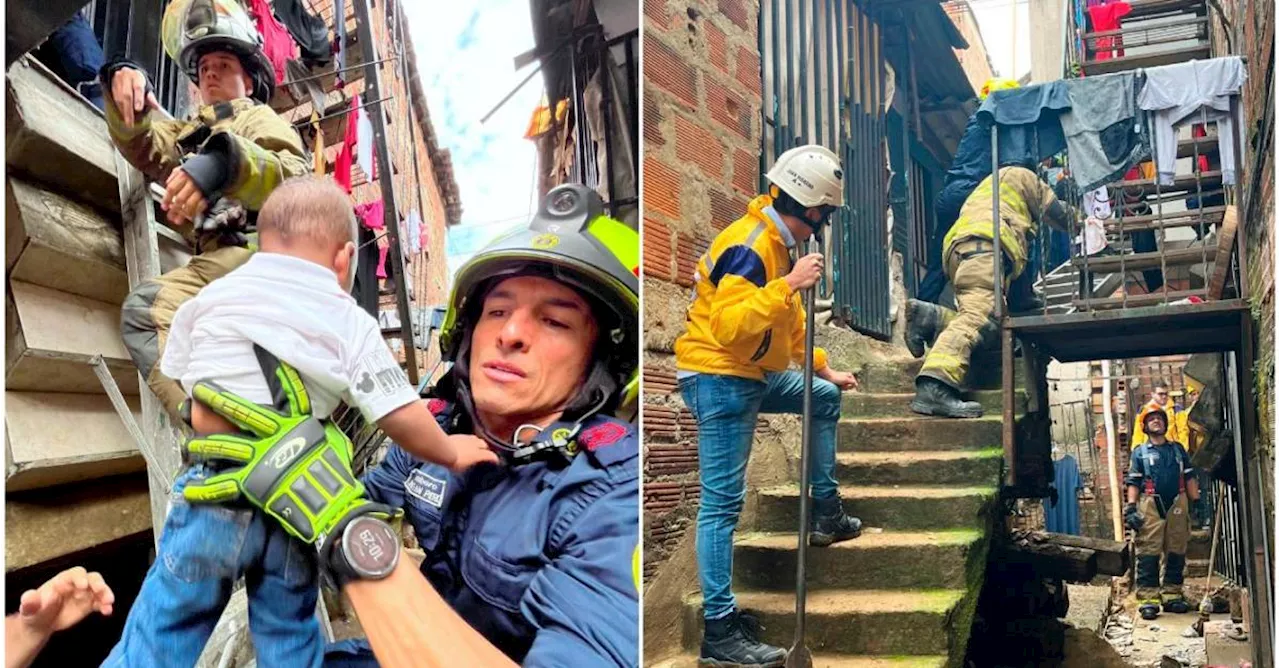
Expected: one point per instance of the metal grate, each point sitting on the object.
(133, 29)
(823, 82)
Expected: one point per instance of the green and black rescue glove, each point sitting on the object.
(293, 466)
(1132, 517)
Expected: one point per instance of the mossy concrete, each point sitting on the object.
(919, 468)
(899, 508)
(918, 433)
(898, 375)
(891, 623)
(882, 405)
(876, 560)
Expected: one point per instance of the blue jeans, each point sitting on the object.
(81, 57)
(726, 408)
(203, 550)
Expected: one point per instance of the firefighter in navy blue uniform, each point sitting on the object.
(1160, 484)
(537, 554)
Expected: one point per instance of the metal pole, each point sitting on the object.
(799, 655)
(391, 214)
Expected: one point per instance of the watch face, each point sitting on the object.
(371, 547)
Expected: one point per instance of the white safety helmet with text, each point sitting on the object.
(810, 175)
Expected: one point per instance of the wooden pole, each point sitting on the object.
(1113, 472)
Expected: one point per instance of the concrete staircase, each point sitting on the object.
(903, 594)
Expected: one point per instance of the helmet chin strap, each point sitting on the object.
(517, 452)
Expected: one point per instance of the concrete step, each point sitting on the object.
(1199, 544)
(830, 661)
(899, 377)
(894, 508)
(959, 467)
(52, 524)
(846, 621)
(919, 433)
(52, 336)
(862, 404)
(55, 438)
(874, 560)
(1196, 568)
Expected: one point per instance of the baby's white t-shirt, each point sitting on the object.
(297, 311)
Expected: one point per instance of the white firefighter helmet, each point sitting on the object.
(810, 174)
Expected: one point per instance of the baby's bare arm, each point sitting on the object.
(415, 429)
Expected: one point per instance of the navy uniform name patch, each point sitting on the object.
(428, 488)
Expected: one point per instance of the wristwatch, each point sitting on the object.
(368, 549)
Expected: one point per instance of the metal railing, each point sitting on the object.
(133, 29)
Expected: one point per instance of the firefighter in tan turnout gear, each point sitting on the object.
(217, 168)
(968, 252)
(1160, 486)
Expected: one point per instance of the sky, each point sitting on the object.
(465, 55)
(996, 20)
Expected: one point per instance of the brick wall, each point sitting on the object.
(427, 269)
(701, 167)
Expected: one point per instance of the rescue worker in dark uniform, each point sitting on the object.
(218, 167)
(1160, 485)
(538, 553)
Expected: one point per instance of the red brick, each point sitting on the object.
(746, 172)
(716, 47)
(736, 11)
(748, 71)
(652, 122)
(689, 249)
(667, 70)
(656, 13)
(694, 144)
(729, 109)
(726, 208)
(658, 250)
(661, 187)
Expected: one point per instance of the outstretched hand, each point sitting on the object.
(64, 601)
(471, 450)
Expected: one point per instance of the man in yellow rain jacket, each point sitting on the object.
(968, 253)
(745, 327)
(217, 168)
(1160, 401)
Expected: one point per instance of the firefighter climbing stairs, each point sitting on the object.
(902, 594)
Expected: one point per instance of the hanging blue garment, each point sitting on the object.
(1030, 129)
(1064, 517)
(80, 56)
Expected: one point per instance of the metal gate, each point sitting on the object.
(824, 82)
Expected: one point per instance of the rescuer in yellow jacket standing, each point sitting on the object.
(745, 327)
(968, 252)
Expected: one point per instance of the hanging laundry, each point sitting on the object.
(1028, 121)
(1064, 516)
(276, 42)
(1198, 132)
(308, 31)
(317, 157)
(1097, 204)
(372, 216)
(1094, 238)
(1102, 128)
(342, 166)
(414, 227)
(364, 143)
(1107, 17)
(1195, 91)
(339, 48)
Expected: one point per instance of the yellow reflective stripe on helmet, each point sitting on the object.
(619, 238)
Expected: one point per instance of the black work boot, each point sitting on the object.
(733, 641)
(1177, 606)
(934, 397)
(830, 524)
(1023, 297)
(924, 320)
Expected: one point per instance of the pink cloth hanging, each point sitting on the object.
(371, 215)
(342, 166)
(277, 43)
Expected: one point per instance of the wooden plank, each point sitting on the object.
(1134, 301)
(1222, 261)
(1139, 261)
(56, 138)
(1113, 557)
(52, 337)
(1212, 216)
(61, 244)
(47, 525)
(1153, 59)
(55, 438)
(1184, 183)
